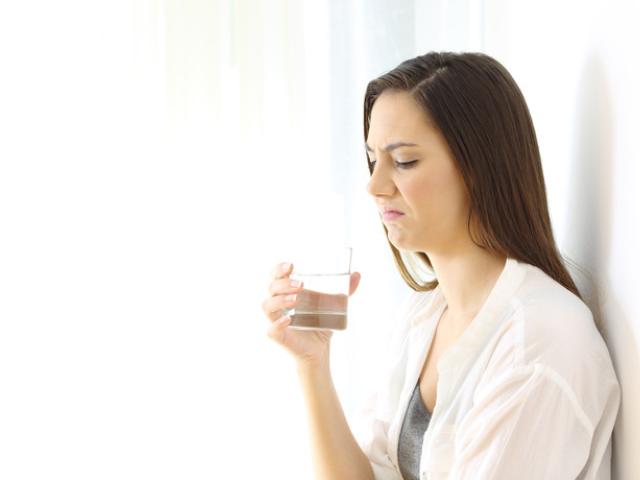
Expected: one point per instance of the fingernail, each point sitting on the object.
(285, 266)
(283, 320)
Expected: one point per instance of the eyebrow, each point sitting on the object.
(392, 146)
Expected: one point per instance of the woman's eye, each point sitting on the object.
(406, 164)
(403, 165)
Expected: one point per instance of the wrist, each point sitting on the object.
(313, 366)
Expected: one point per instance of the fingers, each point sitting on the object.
(276, 330)
(354, 281)
(274, 306)
(282, 270)
(285, 285)
(283, 292)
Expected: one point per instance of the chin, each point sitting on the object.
(400, 245)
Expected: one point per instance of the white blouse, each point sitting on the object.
(528, 391)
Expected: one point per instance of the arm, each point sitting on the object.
(336, 454)
(526, 424)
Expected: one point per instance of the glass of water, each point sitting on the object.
(322, 304)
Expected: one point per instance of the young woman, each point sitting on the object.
(497, 369)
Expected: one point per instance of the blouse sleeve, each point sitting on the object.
(374, 416)
(526, 424)
(373, 441)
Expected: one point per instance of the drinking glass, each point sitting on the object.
(322, 304)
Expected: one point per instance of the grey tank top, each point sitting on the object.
(415, 423)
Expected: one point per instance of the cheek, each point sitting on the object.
(436, 195)
(421, 192)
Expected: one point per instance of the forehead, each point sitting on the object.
(396, 116)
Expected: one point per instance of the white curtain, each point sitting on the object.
(157, 159)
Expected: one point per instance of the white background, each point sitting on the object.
(158, 157)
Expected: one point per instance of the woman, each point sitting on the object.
(497, 370)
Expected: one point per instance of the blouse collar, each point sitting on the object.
(482, 325)
(505, 286)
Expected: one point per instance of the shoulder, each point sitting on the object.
(416, 301)
(549, 332)
(538, 288)
(554, 325)
(415, 305)
(550, 328)
(409, 308)
(539, 319)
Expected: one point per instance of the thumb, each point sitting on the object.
(354, 281)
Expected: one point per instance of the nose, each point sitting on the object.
(380, 182)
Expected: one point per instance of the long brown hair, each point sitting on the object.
(479, 109)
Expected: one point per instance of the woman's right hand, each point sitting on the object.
(309, 347)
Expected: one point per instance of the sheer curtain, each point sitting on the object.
(158, 158)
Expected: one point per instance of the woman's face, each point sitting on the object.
(429, 191)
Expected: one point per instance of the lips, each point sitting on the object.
(391, 215)
(385, 210)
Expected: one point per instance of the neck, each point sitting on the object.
(466, 282)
